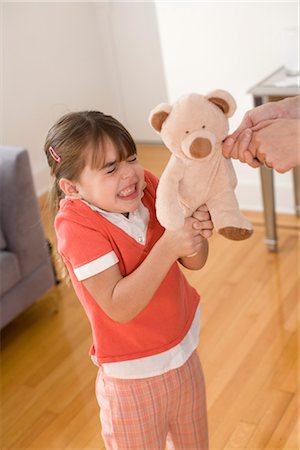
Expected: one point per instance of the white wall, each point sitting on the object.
(137, 59)
(125, 57)
(60, 57)
(228, 45)
(50, 67)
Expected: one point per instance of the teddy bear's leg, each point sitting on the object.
(169, 214)
(169, 210)
(227, 218)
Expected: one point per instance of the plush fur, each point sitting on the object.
(193, 129)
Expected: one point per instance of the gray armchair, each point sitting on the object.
(25, 266)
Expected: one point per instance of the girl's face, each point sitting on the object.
(116, 187)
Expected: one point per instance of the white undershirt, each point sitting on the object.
(135, 225)
(151, 366)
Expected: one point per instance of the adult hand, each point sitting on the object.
(275, 143)
(236, 146)
(253, 147)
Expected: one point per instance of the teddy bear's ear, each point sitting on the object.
(223, 100)
(158, 115)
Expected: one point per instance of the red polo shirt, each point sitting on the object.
(83, 236)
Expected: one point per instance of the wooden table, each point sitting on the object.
(275, 87)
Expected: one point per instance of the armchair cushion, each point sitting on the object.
(10, 271)
(2, 240)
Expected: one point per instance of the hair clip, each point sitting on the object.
(54, 155)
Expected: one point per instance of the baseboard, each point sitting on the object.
(250, 198)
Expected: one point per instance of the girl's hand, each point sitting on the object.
(203, 223)
(183, 242)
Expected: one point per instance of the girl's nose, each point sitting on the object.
(127, 170)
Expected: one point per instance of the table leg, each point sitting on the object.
(296, 179)
(268, 196)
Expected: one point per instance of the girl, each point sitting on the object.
(123, 265)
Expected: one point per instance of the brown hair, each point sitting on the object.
(78, 139)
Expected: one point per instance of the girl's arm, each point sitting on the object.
(196, 261)
(122, 298)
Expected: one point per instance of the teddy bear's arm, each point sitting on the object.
(168, 209)
(231, 172)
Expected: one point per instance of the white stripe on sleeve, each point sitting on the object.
(96, 266)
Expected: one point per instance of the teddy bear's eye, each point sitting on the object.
(187, 132)
(203, 126)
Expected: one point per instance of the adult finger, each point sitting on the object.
(243, 143)
(251, 160)
(245, 123)
(263, 124)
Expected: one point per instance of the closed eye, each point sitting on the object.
(132, 158)
(112, 169)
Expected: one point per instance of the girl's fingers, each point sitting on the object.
(206, 233)
(201, 215)
(203, 224)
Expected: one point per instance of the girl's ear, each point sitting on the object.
(68, 188)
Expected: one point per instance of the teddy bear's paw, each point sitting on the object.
(171, 216)
(171, 222)
(172, 225)
(235, 234)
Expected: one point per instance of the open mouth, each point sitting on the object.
(129, 192)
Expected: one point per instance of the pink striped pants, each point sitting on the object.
(144, 414)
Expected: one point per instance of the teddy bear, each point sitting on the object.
(193, 129)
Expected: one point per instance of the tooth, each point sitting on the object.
(127, 191)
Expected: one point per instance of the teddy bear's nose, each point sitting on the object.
(200, 147)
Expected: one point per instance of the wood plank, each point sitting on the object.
(240, 436)
(293, 441)
(284, 429)
(278, 404)
(64, 428)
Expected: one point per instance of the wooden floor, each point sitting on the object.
(249, 348)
